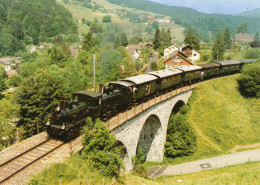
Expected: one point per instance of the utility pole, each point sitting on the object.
(217, 56)
(231, 49)
(94, 73)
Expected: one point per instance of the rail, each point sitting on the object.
(21, 161)
(122, 117)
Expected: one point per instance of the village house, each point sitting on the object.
(176, 59)
(164, 20)
(191, 53)
(170, 50)
(244, 37)
(7, 63)
(134, 51)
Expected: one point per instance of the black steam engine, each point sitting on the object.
(69, 116)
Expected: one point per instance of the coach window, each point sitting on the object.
(147, 90)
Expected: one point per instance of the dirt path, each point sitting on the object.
(238, 147)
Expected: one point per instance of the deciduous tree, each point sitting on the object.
(37, 96)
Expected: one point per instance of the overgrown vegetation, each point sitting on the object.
(249, 80)
(180, 139)
(100, 149)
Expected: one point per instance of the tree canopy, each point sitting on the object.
(23, 21)
(192, 38)
(37, 96)
(249, 80)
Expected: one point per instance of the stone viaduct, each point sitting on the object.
(148, 129)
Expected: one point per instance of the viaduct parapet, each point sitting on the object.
(148, 129)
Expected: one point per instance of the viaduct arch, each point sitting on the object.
(148, 130)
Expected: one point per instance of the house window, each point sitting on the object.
(194, 55)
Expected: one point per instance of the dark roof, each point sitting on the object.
(123, 83)
(230, 62)
(92, 94)
(182, 55)
(244, 37)
(247, 60)
(209, 65)
(165, 73)
(140, 79)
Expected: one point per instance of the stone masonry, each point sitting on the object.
(148, 130)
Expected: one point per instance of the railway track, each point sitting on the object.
(21, 161)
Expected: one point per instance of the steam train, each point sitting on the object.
(69, 116)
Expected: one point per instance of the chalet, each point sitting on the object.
(192, 54)
(243, 37)
(176, 58)
(133, 51)
(170, 50)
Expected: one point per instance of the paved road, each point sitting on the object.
(154, 58)
(205, 164)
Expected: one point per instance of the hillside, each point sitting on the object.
(251, 13)
(131, 28)
(185, 16)
(30, 22)
(222, 118)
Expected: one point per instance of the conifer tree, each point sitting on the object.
(227, 38)
(117, 42)
(257, 37)
(218, 48)
(156, 39)
(123, 39)
(192, 38)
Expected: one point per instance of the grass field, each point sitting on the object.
(80, 12)
(75, 171)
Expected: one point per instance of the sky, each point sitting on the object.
(215, 6)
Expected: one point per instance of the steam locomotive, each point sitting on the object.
(69, 116)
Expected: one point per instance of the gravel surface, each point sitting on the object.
(22, 146)
(58, 155)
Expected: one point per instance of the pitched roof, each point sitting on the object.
(182, 55)
(244, 37)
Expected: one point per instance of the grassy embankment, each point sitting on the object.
(222, 119)
(80, 12)
(74, 171)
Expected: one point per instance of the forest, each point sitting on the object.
(24, 22)
(186, 16)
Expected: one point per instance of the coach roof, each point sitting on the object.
(140, 79)
(165, 73)
(188, 68)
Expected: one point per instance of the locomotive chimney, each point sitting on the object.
(101, 88)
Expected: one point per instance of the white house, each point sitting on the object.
(170, 50)
(192, 54)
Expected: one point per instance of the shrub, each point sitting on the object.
(249, 80)
(107, 18)
(138, 162)
(180, 139)
(100, 148)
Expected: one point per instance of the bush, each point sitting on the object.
(100, 148)
(249, 80)
(138, 161)
(107, 18)
(180, 139)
